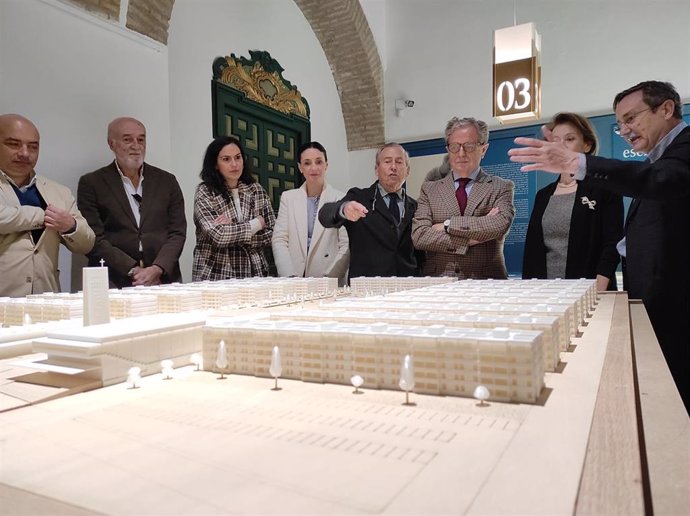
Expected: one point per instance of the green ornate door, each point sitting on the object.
(253, 102)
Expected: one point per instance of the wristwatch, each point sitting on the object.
(446, 225)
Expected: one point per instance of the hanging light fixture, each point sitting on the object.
(517, 74)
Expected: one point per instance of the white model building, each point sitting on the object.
(554, 338)
(448, 361)
(375, 285)
(108, 351)
(96, 307)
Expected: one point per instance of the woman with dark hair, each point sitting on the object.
(301, 245)
(574, 227)
(233, 216)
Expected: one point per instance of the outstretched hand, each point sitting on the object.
(546, 155)
(354, 211)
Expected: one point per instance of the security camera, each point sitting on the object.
(403, 104)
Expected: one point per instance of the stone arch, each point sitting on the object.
(345, 36)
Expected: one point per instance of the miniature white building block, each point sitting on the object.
(111, 349)
(451, 360)
(554, 339)
(377, 285)
(123, 306)
(449, 309)
(95, 285)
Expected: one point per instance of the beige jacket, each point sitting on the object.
(28, 268)
(328, 254)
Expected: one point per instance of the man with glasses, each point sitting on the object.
(136, 211)
(462, 220)
(656, 246)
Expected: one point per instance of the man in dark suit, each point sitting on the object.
(136, 211)
(656, 246)
(462, 219)
(378, 219)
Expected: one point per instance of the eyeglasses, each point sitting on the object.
(467, 147)
(629, 121)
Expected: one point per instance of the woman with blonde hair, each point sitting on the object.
(574, 227)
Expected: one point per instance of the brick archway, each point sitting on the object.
(343, 31)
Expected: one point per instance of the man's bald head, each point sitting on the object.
(19, 146)
(123, 123)
(127, 140)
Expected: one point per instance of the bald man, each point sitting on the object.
(136, 211)
(36, 215)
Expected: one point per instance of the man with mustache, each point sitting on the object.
(378, 219)
(136, 211)
(656, 245)
(462, 219)
(36, 215)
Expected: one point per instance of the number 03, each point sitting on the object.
(510, 89)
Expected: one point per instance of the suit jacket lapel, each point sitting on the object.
(326, 196)
(480, 190)
(632, 209)
(147, 183)
(300, 214)
(448, 197)
(114, 181)
(379, 204)
(635, 204)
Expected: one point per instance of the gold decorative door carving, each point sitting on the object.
(252, 101)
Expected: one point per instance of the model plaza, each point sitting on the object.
(500, 336)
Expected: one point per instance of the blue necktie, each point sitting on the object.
(393, 206)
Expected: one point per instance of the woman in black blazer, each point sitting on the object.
(574, 227)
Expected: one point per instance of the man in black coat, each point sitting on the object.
(378, 219)
(656, 246)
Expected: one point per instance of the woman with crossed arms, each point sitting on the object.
(233, 216)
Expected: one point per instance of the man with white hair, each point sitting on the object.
(136, 211)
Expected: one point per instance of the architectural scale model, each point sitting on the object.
(503, 335)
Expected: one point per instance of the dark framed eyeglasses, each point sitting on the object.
(630, 120)
(469, 147)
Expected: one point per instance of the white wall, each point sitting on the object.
(439, 53)
(71, 74)
(200, 31)
(375, 13)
